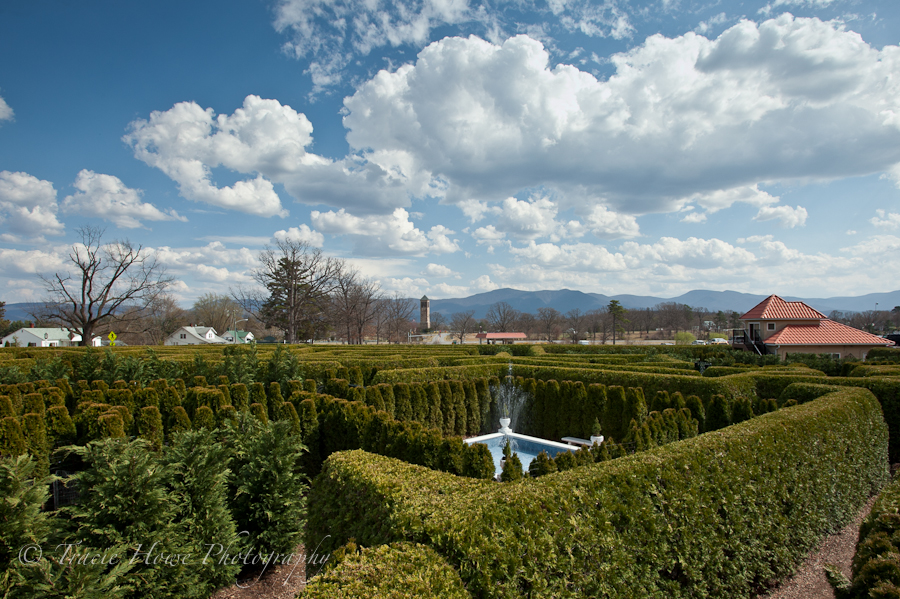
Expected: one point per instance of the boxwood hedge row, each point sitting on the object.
(396, 571)
(722, 514)
(876, 568)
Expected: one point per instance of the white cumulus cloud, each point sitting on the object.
(386, 234)
(686, 117)
(886, 220)
(105, 196)
(302, 233)
(6, 113)
(439, 270)
(27, 208)
(787, 216)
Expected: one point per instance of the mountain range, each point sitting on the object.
(567, 299)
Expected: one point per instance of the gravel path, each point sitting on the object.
(809, 582)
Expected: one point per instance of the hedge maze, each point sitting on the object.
(706, 485)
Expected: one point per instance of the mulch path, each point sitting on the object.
(809, 581)
(279, 582)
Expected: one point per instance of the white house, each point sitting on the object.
(43, 337)
(194, 336)
(242, 336)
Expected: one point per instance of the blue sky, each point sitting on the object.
(451, 147)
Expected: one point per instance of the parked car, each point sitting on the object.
(698, 342)
(718, 341)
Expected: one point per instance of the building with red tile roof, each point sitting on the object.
(505, 338)
(776, 326)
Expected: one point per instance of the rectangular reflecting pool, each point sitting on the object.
(527, 447)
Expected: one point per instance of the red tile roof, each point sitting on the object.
(775, 308)
(824, 332)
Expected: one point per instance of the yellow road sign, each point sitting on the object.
(112, 338)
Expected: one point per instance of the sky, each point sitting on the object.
(452, 147)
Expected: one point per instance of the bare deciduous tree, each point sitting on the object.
(501, 317)
(462, 323)
(217, 311)
(104, 281)
(397, 313)
(550, 319)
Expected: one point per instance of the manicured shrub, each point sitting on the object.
(179, 421)
(388, 571)
(34, 431)
(679, 499)
(461, 419)
(698, 412)
(287, 413)
(717, 414)
(240, 397)
(387, 394)
(435, 416)
(110, 425)
(478, 461)
(612, 420)
(204, 418)
(258, 411)
(512, 469)
(373, 398)
(60, 427)
(225, 415)
(150, 427)
(448, 404)
(402, 405)
(473, 408)
(258, 395)
(6, 407)
(309, 385)
(33, 403)
(419, 401)
(542, 464)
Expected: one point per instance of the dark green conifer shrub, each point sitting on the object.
(698, 412)
(225, 415)
(6, 407)
(34, 430)
(179, 421)
(258, 411)
(741, 410)
(60, 427)
(459, 408)
(268, 487)
(473, 408)
(479, 463)
(613, 416)
(132, 506)
(435, 416)
(204, 418)
(512, 469)
(542, 464)
(33, 403)
(240, 397)
(309, 385)
(718, 415)
(402, 405)
(565, 460)
(447, 408)
(110, 425)
(200, 475)
(199, 381)
(258, 395)
(150, 427)
(288, 413)
(274, 396)
(373, 397)
(387, 394)
(12, 440)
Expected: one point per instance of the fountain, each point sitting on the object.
(510, 400)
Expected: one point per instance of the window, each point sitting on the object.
(184, 335)
(770, 326)
(836, 356)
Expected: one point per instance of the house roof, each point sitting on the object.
(51, 332)
(775, 308)
(824, 332)
(500, 336)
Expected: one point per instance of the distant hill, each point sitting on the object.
(566, 299)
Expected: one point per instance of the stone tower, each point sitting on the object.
(424, 313)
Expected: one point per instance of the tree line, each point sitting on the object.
(301, 295)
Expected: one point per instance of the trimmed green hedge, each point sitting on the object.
(396, 571)
(439, 373)
(719, 515)
(876, 568)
